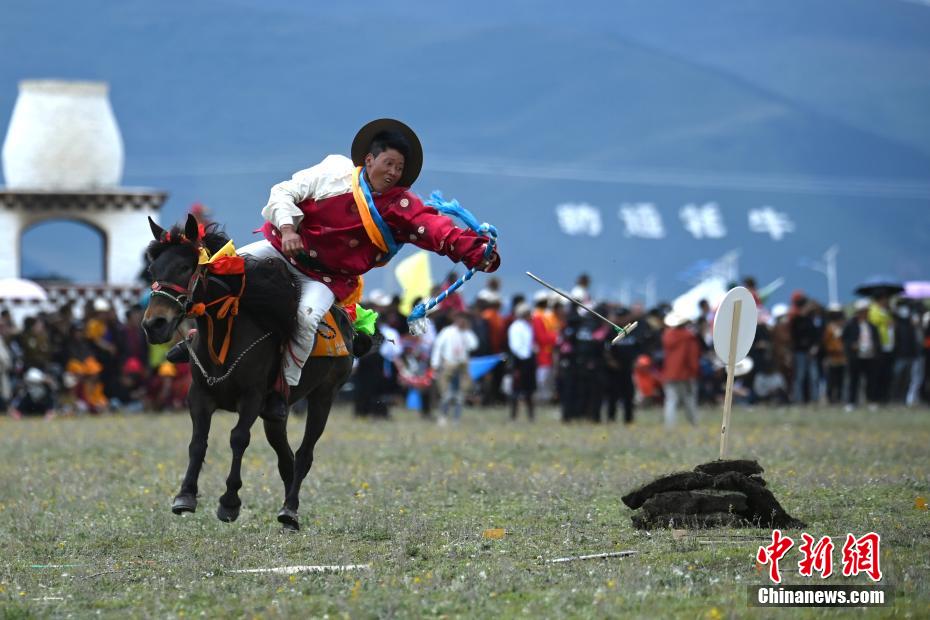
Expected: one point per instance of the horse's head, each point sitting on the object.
(172, 258)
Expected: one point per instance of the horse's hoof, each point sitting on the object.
(288, 518)
(226, 513)
(184, 503)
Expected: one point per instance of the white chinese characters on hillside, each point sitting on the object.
(579, 219)
(703, 221)
(642, 220)
(767, 220)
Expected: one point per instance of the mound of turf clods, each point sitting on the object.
(718, 493)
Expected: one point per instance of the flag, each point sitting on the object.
(415, 279)
(766, 291)
(480, 366)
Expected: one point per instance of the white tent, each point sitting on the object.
(21, 290)
(22, 298)
(712, 289)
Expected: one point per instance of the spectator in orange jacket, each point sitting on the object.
(545, 336)
(495, 342)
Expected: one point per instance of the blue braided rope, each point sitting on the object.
(452, 208)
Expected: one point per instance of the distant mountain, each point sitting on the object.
(815, 109)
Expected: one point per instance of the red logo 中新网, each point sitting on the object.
(860, 555)
(773, 553)
(817, 557)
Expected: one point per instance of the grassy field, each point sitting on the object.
(85, 525)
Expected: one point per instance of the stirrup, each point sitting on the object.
(275, 408)
(179, 353)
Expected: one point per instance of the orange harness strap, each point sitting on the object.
(230, 308)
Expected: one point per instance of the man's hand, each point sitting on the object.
(291, 243)
(491, 264)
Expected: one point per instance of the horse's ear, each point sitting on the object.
(157, 231)
(192, 229)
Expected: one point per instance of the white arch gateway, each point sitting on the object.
(120, 215)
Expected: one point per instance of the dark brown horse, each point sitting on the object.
(235, 356)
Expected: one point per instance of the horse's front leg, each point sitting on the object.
(249, 407)
(201, 410)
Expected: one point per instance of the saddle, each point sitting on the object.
(332, 334)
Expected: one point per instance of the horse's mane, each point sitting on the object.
(213, 239)
(270, 295)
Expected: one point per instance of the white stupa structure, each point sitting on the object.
(63, 160)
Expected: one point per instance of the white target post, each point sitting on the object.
(734, 332)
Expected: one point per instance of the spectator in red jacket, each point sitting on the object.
(680, 372)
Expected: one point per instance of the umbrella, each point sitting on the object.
(917, 290)
(879, 286)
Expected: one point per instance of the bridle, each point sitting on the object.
(184, 296)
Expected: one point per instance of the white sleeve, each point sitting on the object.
(391, 348)
(471, 341)
(285, 196)
(514, 337)
(436, 356)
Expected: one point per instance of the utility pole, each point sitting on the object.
(649, 291)
(827, 267)
(829, 258)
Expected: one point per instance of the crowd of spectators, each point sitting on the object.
(553, 353)
(544, 351)
(56, 363)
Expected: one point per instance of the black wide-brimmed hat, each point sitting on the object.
(879, 286)
(413, 162)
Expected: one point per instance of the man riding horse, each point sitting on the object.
(325, 227)
(337, 220)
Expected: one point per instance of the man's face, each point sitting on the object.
(384, 170)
